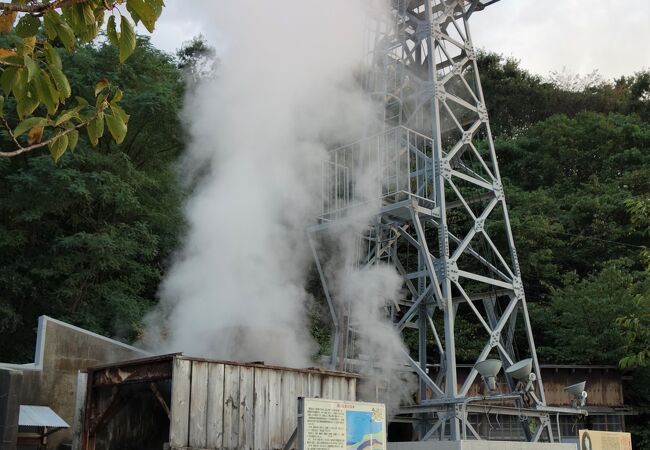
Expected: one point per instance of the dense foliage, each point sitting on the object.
(86, 240)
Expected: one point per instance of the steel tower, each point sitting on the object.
(442, 222)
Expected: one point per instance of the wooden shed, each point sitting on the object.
(179, 402)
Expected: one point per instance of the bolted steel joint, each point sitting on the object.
(518, 288)
(452, 270)
(436, 32)
(441, 94)
(497, 188)
(479, 224)
(444, 169)
(495, 337)
(467, 137)
(470, 52)
(482, 112)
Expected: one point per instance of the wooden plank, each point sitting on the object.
(246, 403)
(315, 388)
(180, 403)
(261, 416)
(275, 410)
(302, 385)
(231, 407)
(289, 404)
(326, 387)
(336, 388)
(343, 388)
(215, 406)
(352, 389)
(79, 409)
(199, 405)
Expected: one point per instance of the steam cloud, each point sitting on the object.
(287, 89)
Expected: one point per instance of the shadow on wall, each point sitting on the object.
(62, 350)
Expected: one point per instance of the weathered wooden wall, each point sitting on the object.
(218, 405)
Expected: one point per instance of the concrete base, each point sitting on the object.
(477, 445)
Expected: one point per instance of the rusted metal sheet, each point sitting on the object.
(128, 373)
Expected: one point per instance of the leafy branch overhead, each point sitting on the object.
(36, 108)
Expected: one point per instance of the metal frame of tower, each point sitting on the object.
(442, 199)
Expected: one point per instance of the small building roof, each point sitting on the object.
(40, 416)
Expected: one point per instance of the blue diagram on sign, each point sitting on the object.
(364, 430)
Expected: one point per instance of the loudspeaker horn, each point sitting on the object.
(521, 370)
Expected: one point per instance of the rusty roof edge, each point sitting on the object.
(172, 356)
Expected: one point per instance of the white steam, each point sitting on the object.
(286, 90)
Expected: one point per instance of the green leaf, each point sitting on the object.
(88, 14)
(117, 97)
(8, 79)
(28, 26)
(127, 39)
(2, 104)
(67, 115)
(52, 56)
(117, 127)
(144, 11)
(81, 102)
(30, 123)
(101, 86)
(66, 35)
(111, 31)
(45, 95)
(95, 130)
(58, 146)
(118, 111)
(62, 83)
(51, 21)
(32, 68)
(27, 99)
(73, 138)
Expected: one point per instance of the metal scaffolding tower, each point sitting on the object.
(442, 223)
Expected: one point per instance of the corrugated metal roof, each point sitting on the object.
(39, 416)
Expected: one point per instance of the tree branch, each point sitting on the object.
(11, 133)
(7, 63)
(37, 7)
(40, 144)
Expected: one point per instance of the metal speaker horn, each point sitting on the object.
(521, 370)
(489, 370)
(576, 389)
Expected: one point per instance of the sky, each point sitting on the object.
(576, 36)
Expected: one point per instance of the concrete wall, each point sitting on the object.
(477, 445)
(62, 350)
(9, 407)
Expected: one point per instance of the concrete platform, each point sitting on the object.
(477, 445)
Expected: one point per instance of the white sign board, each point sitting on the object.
(604, 440)
(340, 425)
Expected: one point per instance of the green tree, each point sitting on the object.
(87, 240)
(36, 89)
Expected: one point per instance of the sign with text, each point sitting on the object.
(604, 440)
(340, 425)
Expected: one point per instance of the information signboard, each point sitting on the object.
(340, 425)
(604, 440)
